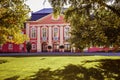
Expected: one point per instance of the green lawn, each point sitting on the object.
(24, 67)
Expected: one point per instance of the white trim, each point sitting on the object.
(50, 37)
(57, 34)
(21, 46)
(33, 32)
(38, 40)
(34, 46)
(66, 24)
(46, 29)
(10, 46)
(66, 30)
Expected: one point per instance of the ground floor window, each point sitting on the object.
(33, 46)
(67, 48)
(10, 46)
(21, 47)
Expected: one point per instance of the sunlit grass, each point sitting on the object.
(26, 66)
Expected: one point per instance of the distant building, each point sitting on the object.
(46, 33)
(11, 47)
(44, 30)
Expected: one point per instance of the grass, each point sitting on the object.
(22, 67)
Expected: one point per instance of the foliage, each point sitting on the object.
(93, 22)
(13, 14)
(49, 47)
(3, 61)
(61, 46)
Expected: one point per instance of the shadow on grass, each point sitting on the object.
(12, 78)
(3, 61)
(107, 69)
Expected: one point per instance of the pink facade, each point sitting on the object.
(11, 47)
(48, 31)
(47, 34)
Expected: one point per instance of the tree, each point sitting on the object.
(13, 14)
(93, 22)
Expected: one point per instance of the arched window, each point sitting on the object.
(44, 34)
(55, 33)
(33, 32)
(66, 33)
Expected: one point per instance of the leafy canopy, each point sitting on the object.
(13, 14)
(93, 22)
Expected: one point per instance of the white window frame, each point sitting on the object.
(66, 30)
(44, 30)
(34, 46)
(44, 33)
(21, 46)
(55, 33)
(33, 32)
(10, 46)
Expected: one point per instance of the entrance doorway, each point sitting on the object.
(56, 47)
(44, 47)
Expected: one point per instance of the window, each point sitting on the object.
(33, 46)
(21, 46)
(0, 47)
(67, 47)
(66, 33)
(55, 34)
(33, 32)
(44, 34)
(10, 46)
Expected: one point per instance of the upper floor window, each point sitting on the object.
(55, 34)
(10, 46)
(66, 32)
(44, 34)
(33, 32)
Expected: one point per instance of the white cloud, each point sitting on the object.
(36, 5)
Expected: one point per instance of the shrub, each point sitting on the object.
(28, 46)
(61, 46)
(49, 47)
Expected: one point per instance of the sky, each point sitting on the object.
(36, 5)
